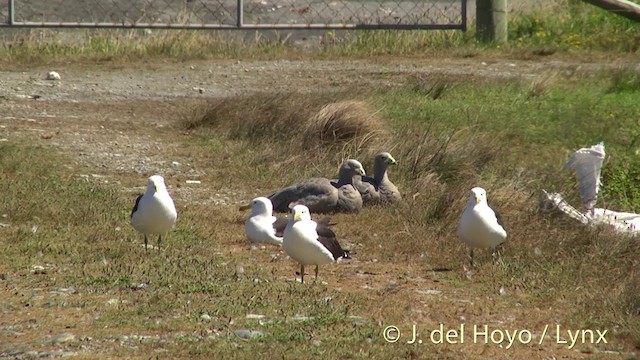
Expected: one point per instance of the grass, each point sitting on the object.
(560, 27)
(313, 120)
(509, 135)
(449, 133)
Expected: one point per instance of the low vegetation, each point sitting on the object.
(557, 27)
(201, 293)
(511, 137)
(71, 263)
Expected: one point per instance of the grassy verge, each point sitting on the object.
(509, 136)
(562, 26)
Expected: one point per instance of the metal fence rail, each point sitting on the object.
(236, 14)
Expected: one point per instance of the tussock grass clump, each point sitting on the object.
(344, 121)
(309, 120)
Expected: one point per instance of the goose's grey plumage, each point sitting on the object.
(322, 195)
(378, 189)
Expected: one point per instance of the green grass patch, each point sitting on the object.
(559, 26)
(511, 136)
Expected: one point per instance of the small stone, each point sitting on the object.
(62, 338)
(503, 291)
(52, 75)
(299, 318)
(248, 334)
(358, 320)
(66, 291)
(205, 317)
(38, 269)
(255, 316)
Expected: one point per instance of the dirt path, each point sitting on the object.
(101, 115)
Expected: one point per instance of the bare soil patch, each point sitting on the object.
(119, 124)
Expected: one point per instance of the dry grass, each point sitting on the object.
(296, 120)
(548, 260)
(559, 28)
(410, 268)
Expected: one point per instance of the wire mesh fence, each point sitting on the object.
(437, 14)
(522, 7)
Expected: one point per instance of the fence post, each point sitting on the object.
(491, 21)
(10, 13)
(240, 14)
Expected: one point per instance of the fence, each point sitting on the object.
(236, 14)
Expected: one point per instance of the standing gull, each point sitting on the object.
(480, 226)
(379, 189)
(309, 244)
(154, 211)
(322, 195)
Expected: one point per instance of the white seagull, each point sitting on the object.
(262, 226)
(309, 243)
(154, 211)
(480, 226)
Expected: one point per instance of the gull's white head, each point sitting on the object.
(300, 213)
(156, 184)
(261, 206)
(478, 195)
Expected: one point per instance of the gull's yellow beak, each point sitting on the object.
(297, 217)
(392, 161)
(361, 172)
(155, 187)
(244, 207)
(478, 198)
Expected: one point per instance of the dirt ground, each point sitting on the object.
(100, 114)
(113, 119)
